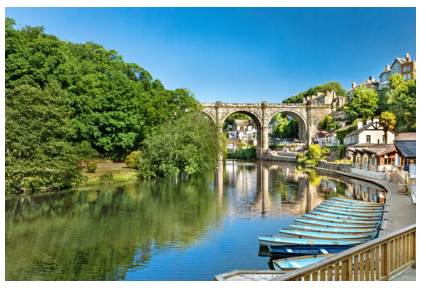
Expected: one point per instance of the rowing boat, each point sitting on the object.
(321, 235)
(370, 232)
(352, 210)
(278, 240)
(343, 221)
(292, 263)
(297, 250)
(356, 201)
(350, 206)
(338, 215)
(312, 222)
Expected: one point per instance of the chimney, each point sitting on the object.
(376, 119)
(407, 57)
(353, 84)
(319, 94)
(387, 67)
(304, 100)
(359, 123)
(372, 78)
(328, 93)
(368, 120)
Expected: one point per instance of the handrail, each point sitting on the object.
(375, 260)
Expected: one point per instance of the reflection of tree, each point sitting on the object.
(101, 234)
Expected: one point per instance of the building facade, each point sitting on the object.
(370, 83)
(397, 67)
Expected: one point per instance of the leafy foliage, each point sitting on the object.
(342, 151)
(363, 102)
(387, 121)
(131, 160)
(245, 154)
(326, 121)
(106, 177)
(185, 144)
(402, 101)
(329, 86)
(37, 134)
(92, 166)
(115, 104)
(285, 129)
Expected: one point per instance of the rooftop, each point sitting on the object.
(240, 122)
(373, 148)
(405, 136)
(406, 147)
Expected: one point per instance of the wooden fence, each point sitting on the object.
(376, 260)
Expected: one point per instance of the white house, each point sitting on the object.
(372, 132)
(232, 143)
(242, 134)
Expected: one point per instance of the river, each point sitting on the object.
(176, 228)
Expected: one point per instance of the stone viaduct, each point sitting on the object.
(307, 115)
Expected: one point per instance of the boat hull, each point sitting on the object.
(343, 221)
(323, 235)
(352, 201)
(347, 217)
(349, 213)
(277, 240)
(369, 232)
(298, 262)
(277, 252)
(313, 222)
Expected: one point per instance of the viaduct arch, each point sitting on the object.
(307, 115)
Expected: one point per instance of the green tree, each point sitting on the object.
(37, 133)
(329, 86)
(241, 145)
(364, 102)
(115, 104)
(402, 102)
(387, 121)
(326, 121)
(188, 144)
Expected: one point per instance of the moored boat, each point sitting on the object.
(349, 210)
(289, 264)
(323, 235)
(348, 216)
(300, 250)
(278, 240)
(367, 231)
(343, 221)
(349, 206)
(353, 201)
(312, 222)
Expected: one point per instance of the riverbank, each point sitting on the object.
(119, 174)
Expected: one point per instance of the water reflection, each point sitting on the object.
(178, 228)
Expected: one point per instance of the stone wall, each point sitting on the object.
(274, 156)
(335, 166)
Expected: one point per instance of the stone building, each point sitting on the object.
(403, 66)
(369, 83)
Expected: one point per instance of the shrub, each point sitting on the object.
(106, 178)
(91, 166)
(273, 146)
(131, 160)
(249, 153)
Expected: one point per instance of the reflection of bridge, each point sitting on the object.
(307, 115)
(301, 198)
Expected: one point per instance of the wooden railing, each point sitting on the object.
(376, 260)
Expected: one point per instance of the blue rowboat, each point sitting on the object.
(279, 240)
(341, 204)
(321, 235)
(342, 221)
(346, 214)
(358, 211)
(298, 250)
(312, 222)
(369, 232)
(353, 201)
(292, 263)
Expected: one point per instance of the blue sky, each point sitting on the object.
(241, 54)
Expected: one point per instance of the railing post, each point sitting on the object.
(385, 259)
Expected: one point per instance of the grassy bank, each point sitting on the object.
(118, 174)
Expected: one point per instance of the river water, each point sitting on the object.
(177, 228)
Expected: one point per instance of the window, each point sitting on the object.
(409, 68)
(383, 138)
(409, 76)
(368, 138)
(405, 69)
(405, 77)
